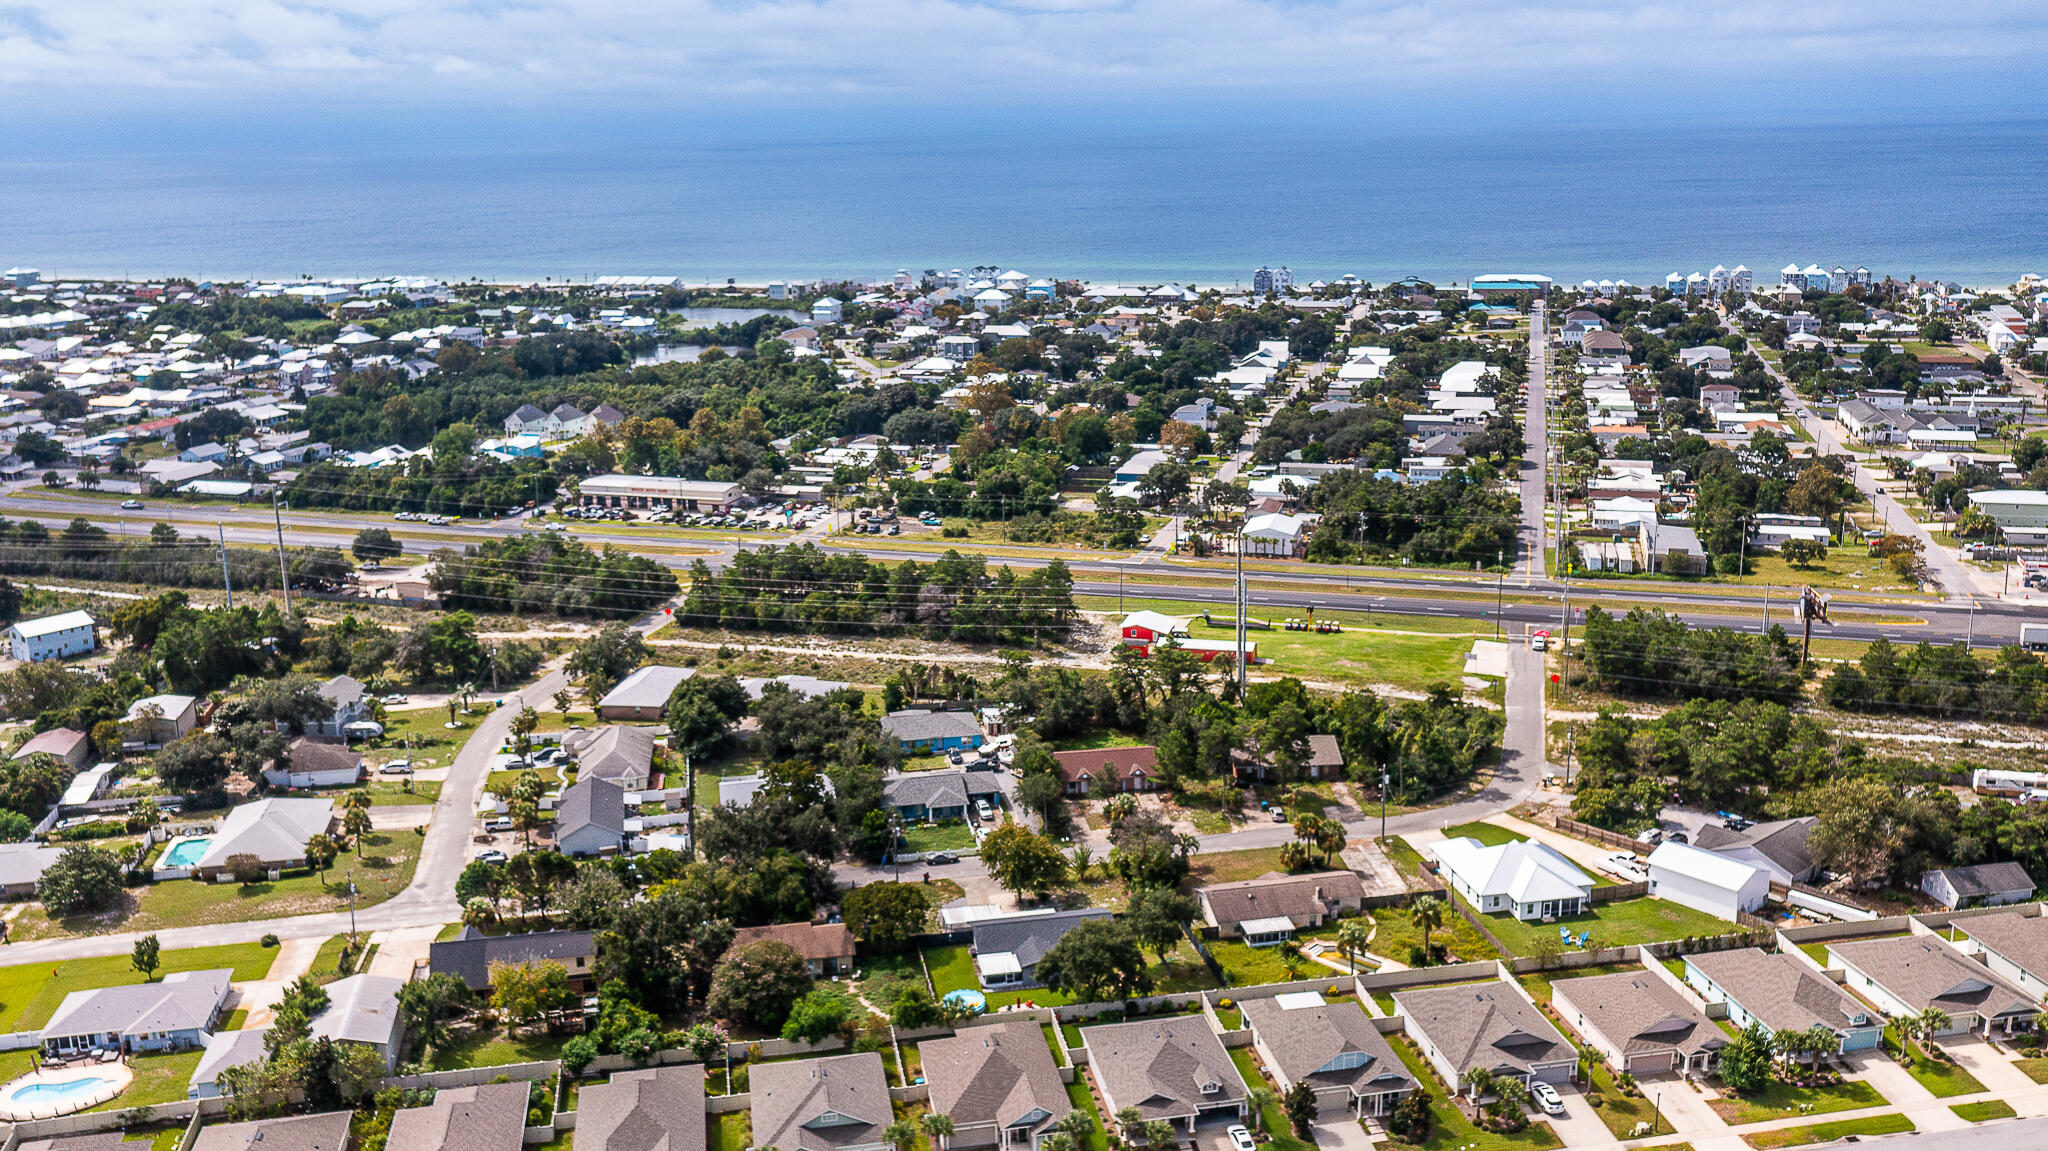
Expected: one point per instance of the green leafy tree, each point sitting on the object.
(821, 1012)
(526, 992)
(1746, 1061)
(1157, 917)
(82, 878)
(1098, 960)
(702, 712)
(1022, 861)
(148, 955)
(886, 916)
(1300, 1104)
(609, 655)
(321, 850)
(759, 985)
(375, 544)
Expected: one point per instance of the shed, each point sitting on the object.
(1707, 880)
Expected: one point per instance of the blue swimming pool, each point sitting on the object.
(970, 999)
(58, 1092)
(186, 852)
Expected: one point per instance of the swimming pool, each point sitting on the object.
(186, 852)
(970, 999)
(58, 1092)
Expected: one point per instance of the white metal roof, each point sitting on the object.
(52, 624)
(1705, 866)
(1266, 926)
(998, 963)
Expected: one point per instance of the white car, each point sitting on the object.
(394, 699)
(396, 767)
(1241, 1139)
(131, 505)
(1547, 1098)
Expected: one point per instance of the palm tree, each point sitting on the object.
(1080, 859)
(936, 1127)
(1330, 840)
(1931, 1021)
(902, 1133)
(356, 822)
(320, 852)
(1076, 1125)
(1353, 937)
(1427, 914)
(1292, 958)
(1478, 1082)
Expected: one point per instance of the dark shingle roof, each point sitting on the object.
(1780, 990)
(1001, 1074)
(1988, 879)
(918, 724)
(1484, 1025)
(598, 803)
(787, 1096)
(659, 1109)
(1161, 1067)
(471, 953)
(490, 1117)
(1304, 1040)
(1029, 937)
(1298, 897)
(327, 1131)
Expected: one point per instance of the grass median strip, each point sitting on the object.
(1892, 1124)
(1984, 1112)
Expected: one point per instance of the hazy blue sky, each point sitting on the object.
(124, 64)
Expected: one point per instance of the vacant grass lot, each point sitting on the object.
(487, 1045)
(1615, 924)
(1829, 1132)
(430, 743)
(384, 870)
(1363, 653)
(953, 835)
(30, 993)
(1777, 1101)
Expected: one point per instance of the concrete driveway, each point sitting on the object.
(1580, 1125)
(1341, 1133)
(1992, 1069)
(1685, 1110)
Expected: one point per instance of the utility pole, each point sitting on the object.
(1240, 614)
(284, 571)
(1500, 560)
(1383, 804)
(225, 582)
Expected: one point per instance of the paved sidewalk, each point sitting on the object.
(260, 997)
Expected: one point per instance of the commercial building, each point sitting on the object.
(2022, 515)
(659, 493)
(51, 637)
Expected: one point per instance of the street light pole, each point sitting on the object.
(1500, 559)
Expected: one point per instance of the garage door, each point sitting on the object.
(1862, 1040)
(1558, 1073)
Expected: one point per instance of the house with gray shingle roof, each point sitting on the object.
(1984, 885)
(1271, 908)
(1907, 974)
(938, 796)
(591, 818)
(488, 1117)
(472, 954)
(622, 755)
(1173, 1070)
(1781, 993)
(921, 729)
(1007, 949)
(2012, 945)
(840, 1103)
(658, 1109)
(1488, 1025)
(1333, 1047)
(1643, 1024)
(176, 1013)
(327, 1131)
(998, 1083)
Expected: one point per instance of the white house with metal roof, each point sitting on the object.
(51, 637)
(1526, 879)
(1707, 880)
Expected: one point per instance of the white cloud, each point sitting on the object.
(1344, 49)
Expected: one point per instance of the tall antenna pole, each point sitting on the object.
(284, 572)
(225, 582)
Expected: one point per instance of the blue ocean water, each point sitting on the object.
(1959, 200)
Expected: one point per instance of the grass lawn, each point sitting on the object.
(501, 783)
(1271, 1117)
(158, 1079)
(1095, 740)
(431, 744)
(1943, 1079)
(488, 1046)
(383, 792)
(552, 720)
(1621, 1113)
(955, 835)
(1071, 1032)
(2035, 1069)
(1233, 866)
(1054, 1042)
(731, 1131)
(1453, 1129)
(1485, 833)
(1083, 1101)
(1382, 651)
(1829, 1132)
(1777, 1101)
(1616, 924)
(1247, 966)
(952, 969)
(884, 978)
(1981, 1112)
(327, 961)
(30, 993)
(1394, 933)
(1401, 855)
(384, 870)
(159, 1139)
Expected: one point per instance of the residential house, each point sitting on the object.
(70, 746)
(606, 416)
(1641, 1023)
(655, 1109)
(351, 703)
(156, 720)
(1007, 949)
(1779, 846)
(1906, 974)
(22, 866)
(1981, 885)
(1669, 548)
(590, 819)
(2013, 946)
(1490, 1025)
(643, 694)
(1172, 1070)
(487, 1117)
(839, 1103)
(1277, 534)
(1139, 466)
(1781, 992)
(363, 1010)
(1707, 881)
(1332, 1047)
(1124, 769)
(326, 1131)
(827, 310)
(1325, 758)
(176, 1013)
(526, 419)
(206, 453)
(225, 1049)
(472, 954)
(615, 754)
(827, 948)
(52, 637)
(275, 831)
(921, 729)
(999, 1084)
(316, 763)
(569, 421)
(1526, 879)
(1271, 908)
(939, 796)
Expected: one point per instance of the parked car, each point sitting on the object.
(1241, 1139)
(396, 767)
(1652, 836)
(498, 824)
(492, 856)
(942, 857)
(394, 699)
(984, 812)
(1547, 1097)
(1279, 815)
